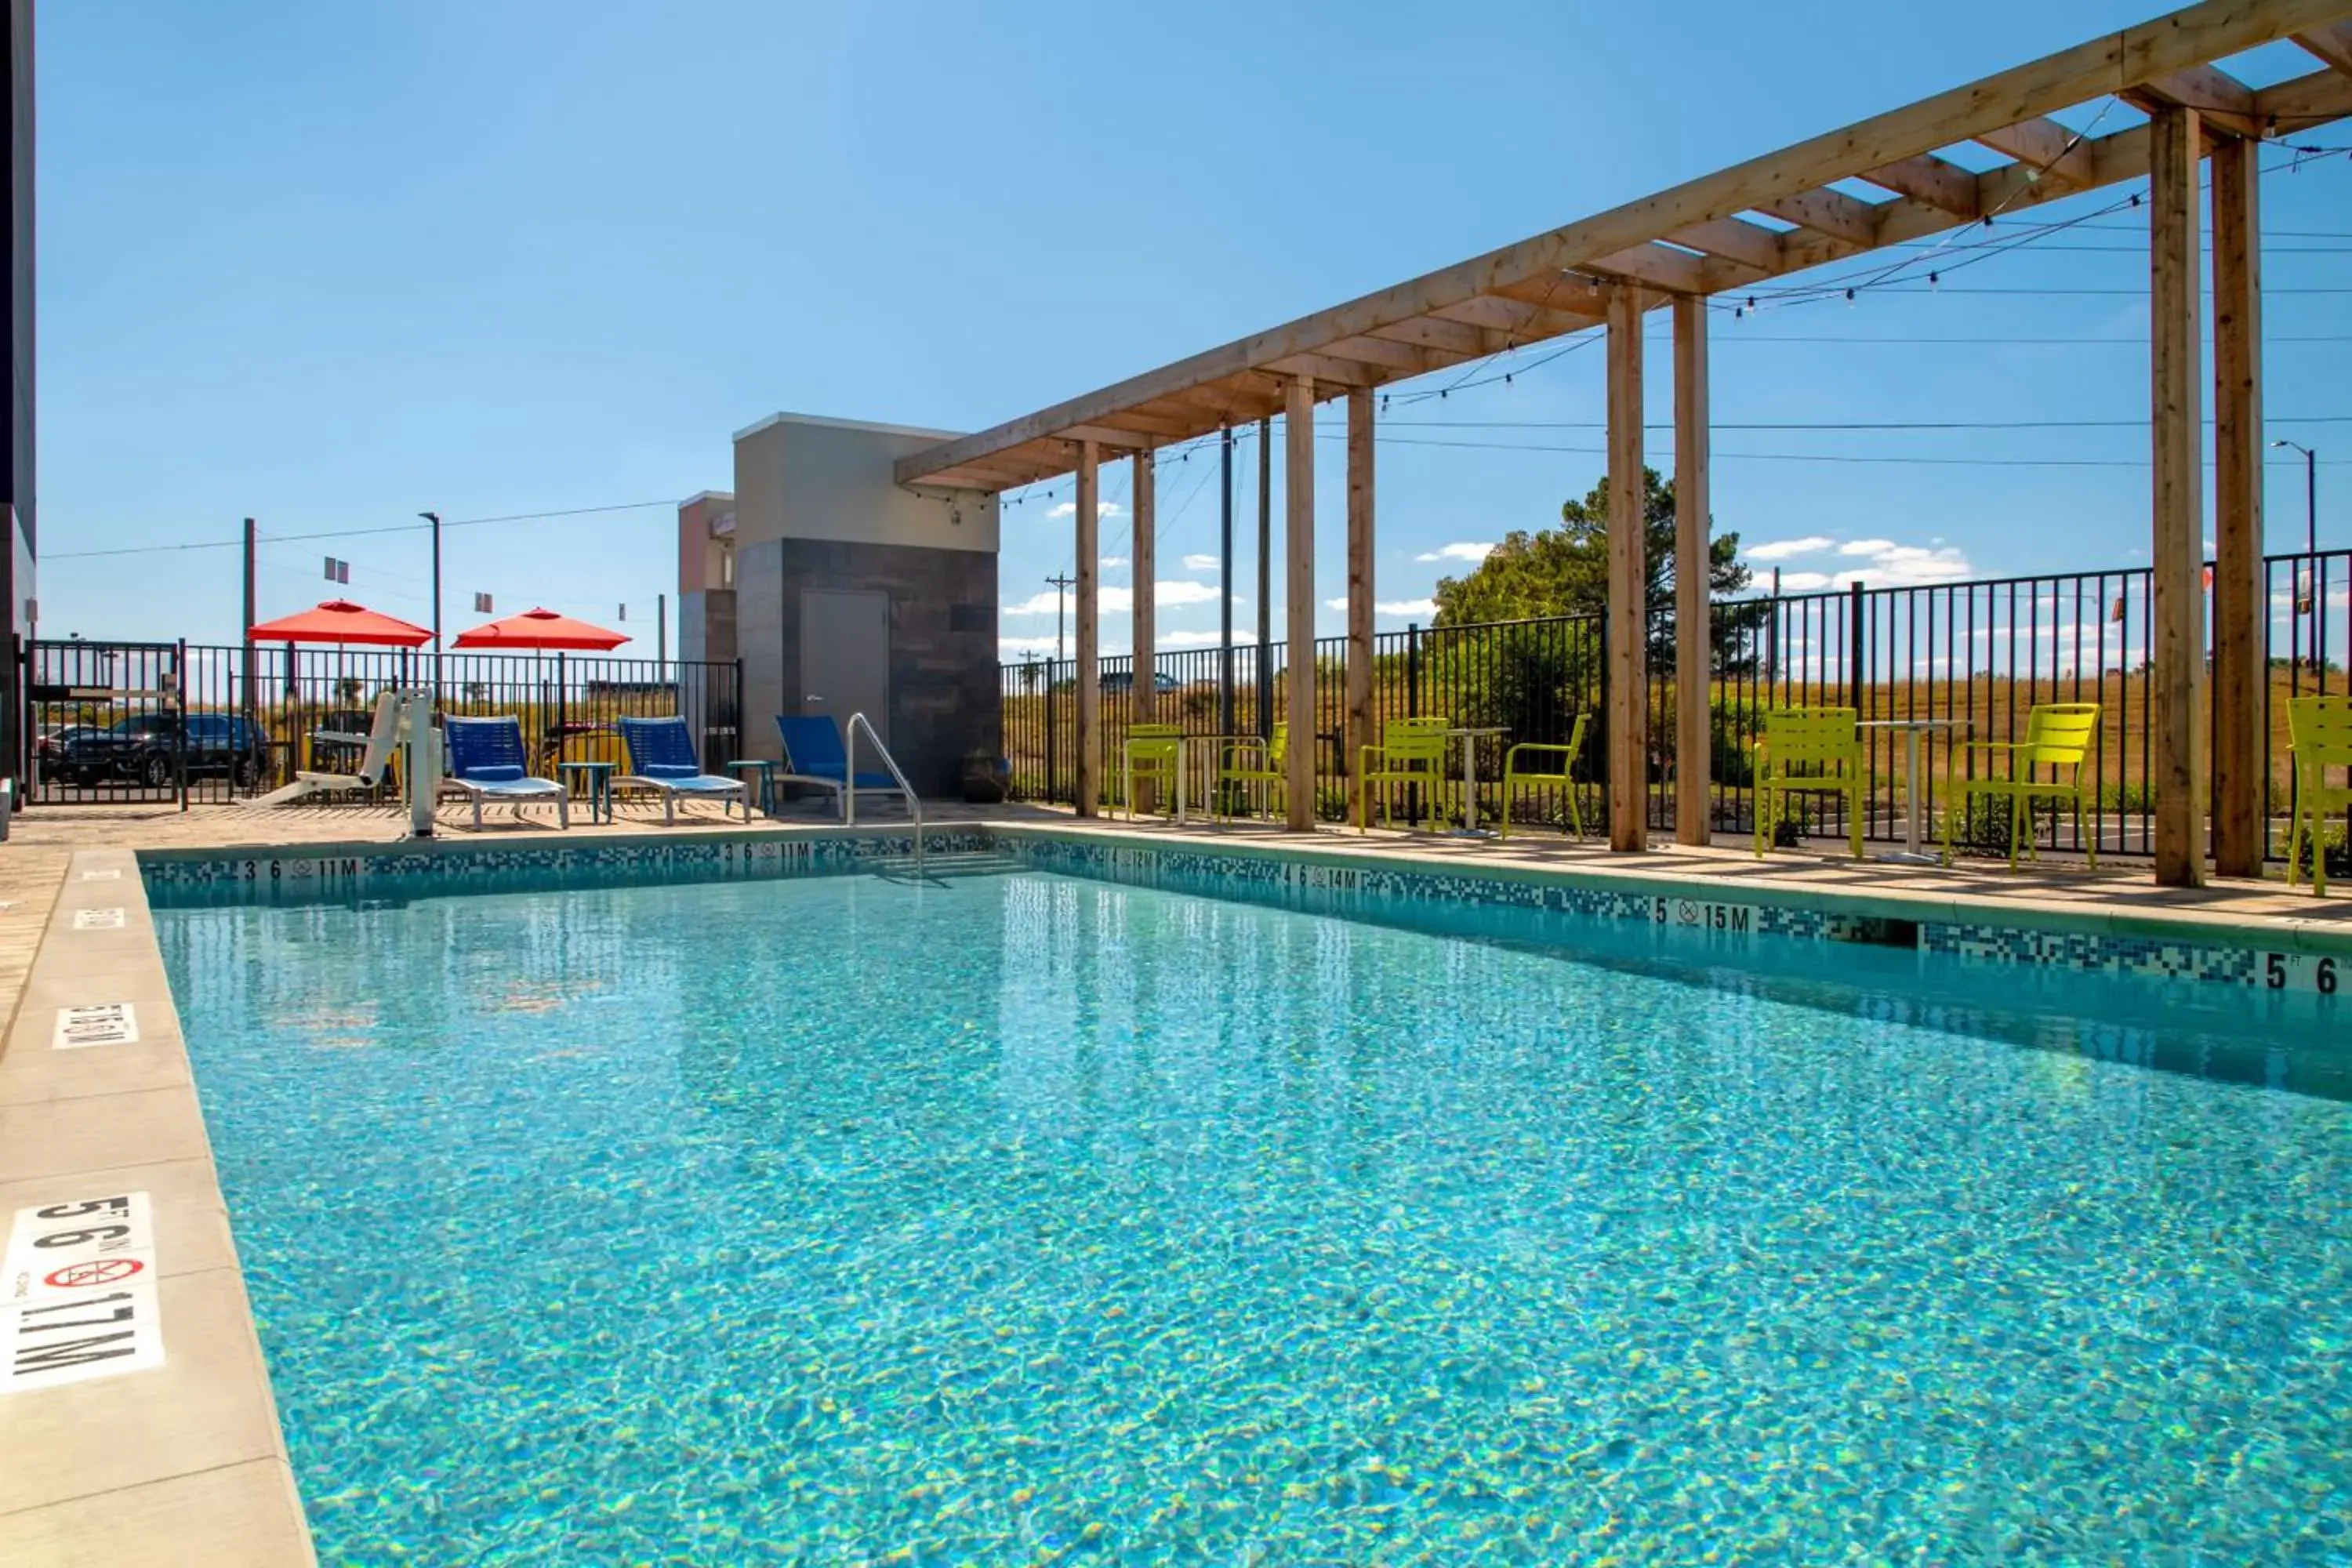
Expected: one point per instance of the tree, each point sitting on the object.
(1565, 571)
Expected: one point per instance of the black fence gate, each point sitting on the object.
(179, 722)
(107, 720)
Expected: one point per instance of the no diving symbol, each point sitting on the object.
(98, 1271)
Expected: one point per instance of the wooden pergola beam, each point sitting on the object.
(1299, 539)
(1454, 335)
(1627, 630)
(2330, 45)
(1621, 239)
(1736, 239)
(1832, 212)
(2049, 149)
(1934, 181)
(1517, 321)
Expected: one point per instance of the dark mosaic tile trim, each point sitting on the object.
(296, 878)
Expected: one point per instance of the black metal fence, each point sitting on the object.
(1965, 660)
(181, 722)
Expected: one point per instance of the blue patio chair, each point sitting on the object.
(486, 761)
(661, 758)
(814, 755)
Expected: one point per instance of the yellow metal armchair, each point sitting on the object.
(2057, 737)
(1411, 752)
(1245, 763)
(1149, 756)
(1809, 750)
(2320, 728)
(1541, 764)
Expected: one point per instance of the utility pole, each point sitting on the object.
(1061, 589)
(1225, 596)
(1265, 588)
(248, 706)
(435, 519)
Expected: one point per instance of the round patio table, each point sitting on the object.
(1914, 798)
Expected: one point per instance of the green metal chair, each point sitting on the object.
(1150, 754)
(1809, 750)
(2320, 728)
(1411, 752)
(1555, 776)
(1250, 762)
(2057, 736)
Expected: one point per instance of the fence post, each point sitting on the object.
(179, 721)
(1052, 775)
(1854, 646)
(1413, 670)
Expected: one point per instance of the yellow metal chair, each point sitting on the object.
(2320, 728)
(1150, 754)
(2057, 736)
(1247, 761)
(1559, 762)
(1809, 750)
(1411, 752)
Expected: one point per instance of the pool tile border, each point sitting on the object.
(2157, 944)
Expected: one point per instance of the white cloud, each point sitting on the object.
(1118, 601)
(1886, 565)
(1243, 636)
(1200, 563)
(1070, 509)
(1112, 561)
(1781, 549)
(1470, 549)
(1402, 609)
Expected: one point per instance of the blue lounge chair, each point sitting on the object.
(486, 761)
(661, 758)
(814, 755)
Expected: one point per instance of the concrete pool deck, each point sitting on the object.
(185, 1462)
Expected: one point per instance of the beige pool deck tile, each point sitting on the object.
(190, 1217)
(208, 1406)
(100, 1132)
(238, 1516)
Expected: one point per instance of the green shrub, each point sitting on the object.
(2332, 843)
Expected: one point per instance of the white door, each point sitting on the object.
(846, 655)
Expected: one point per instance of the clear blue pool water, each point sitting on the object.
(1029, 1218)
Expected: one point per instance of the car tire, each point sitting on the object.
(156, 772)
(247, 773)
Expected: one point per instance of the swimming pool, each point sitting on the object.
(836, 1217)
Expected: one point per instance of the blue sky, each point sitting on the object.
(330, 265)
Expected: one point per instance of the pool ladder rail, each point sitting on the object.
(849, 782)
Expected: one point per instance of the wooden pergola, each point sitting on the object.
(1677, 247)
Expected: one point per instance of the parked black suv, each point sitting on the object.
(145, 749)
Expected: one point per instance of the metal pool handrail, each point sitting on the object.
(849, 781)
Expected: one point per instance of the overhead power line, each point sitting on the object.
(358, 532)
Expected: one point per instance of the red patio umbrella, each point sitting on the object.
(341, 621)
(542, 629)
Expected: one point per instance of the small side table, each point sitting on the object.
(1470, 734)
(1915, 787)
(598, 777)
(766, 768)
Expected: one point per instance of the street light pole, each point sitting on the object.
(2310, 538)
(435, 519)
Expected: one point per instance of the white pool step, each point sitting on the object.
(942, 865)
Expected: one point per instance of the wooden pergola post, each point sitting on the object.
(1359, 727)
(1629, 742)
(2240, 806)
(1694, 742)
(1298, 535)
(2177, 669)
(1089, 547)
(1144, 567)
